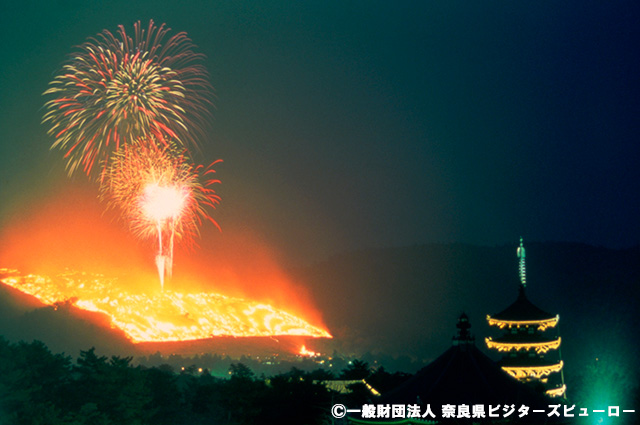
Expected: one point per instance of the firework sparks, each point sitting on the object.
(161, 203)
(160, 194)
(117, 89)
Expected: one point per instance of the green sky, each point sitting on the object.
(355, 124)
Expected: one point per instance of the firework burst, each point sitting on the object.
(117, 89)
(161, 194)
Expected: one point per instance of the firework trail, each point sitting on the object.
(117, 89)
(161, 194)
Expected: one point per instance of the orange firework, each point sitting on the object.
(160, 194)
(117, 89)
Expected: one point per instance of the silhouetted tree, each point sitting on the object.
(242, 395)
(356, 370)
(166, 401)
(384, 381)
(294, 398)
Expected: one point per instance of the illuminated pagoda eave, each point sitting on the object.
(557, 392)
(537, 372)
(542, 324)
(539, 347)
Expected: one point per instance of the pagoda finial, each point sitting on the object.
(463, 337)
(521, 268)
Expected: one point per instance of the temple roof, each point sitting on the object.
(463, 374)
(522, 310)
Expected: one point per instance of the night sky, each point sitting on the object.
(357, 124)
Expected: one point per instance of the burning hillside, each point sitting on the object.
(162, 316)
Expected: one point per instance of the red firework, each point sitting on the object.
(117, 89)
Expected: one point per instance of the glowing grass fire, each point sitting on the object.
(166, 316)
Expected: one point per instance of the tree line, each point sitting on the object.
(38, 387)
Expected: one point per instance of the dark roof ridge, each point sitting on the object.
(523, 310)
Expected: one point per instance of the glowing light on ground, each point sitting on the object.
(165, 316)
(307, 353)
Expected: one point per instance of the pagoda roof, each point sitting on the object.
(536, 338)
(527, 362)
(523, 310)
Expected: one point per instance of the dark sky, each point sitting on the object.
(347, 124)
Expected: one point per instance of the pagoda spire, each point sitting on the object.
(529, 354)
(521, 268)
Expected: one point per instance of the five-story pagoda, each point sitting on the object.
(530, 353)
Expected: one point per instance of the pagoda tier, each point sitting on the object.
(534, 368)
(518, 342)
(523, 313)
(542, 325)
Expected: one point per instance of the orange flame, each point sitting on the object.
(166, 316)
(307, 353)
